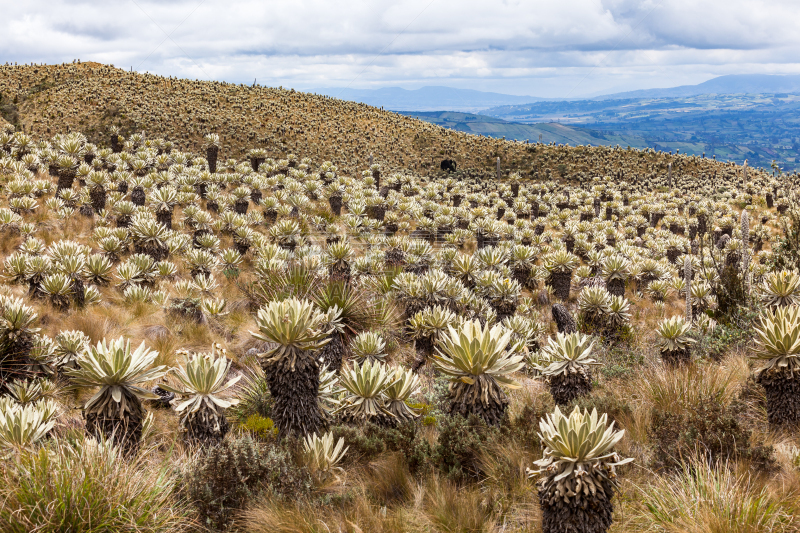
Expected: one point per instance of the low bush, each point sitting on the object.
(367, 442)
(694, 414)
(461, 441)
(262, 428)
(224, 478)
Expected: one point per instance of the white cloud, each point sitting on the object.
(537, 47)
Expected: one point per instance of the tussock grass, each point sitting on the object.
(89, 487)
(714, 498)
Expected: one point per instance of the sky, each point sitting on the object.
(545, 48)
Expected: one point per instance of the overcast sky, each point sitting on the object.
(549, 48)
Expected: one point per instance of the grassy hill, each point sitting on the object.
(91, 98)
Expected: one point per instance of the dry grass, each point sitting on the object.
(706, 498)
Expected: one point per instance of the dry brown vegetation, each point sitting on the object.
(409, 254)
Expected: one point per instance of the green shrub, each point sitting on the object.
(262, 428)
(708, 428)
(224, 478)
(735, 332)
(524, 427)
(362, 442)
(460, 443)
(369, 441)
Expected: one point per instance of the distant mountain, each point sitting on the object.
(434, 98)
(731, 84)
(546, 133)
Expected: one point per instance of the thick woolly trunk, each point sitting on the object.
(15, 361)
(504, 309)
(65, 179)
(123, 221)
(783, 396)
(241, 205)
(165, 218)
(332, 354)
(138, 196)
(673, 254)
(583, 513)
(424, 347)
(296, 410)
(211, 157)
(339, 272)
(158, 253)
(523, 275)
(376, 212)
(676, 357)
(561, 282)
(255, 162)
(256, 195)
(336, 205)
(197, 234)
(78, 291)
(616, 287)
(394, 257)
(87, 210)
(126, 432)
(567, 386)
(466, 400)
(203, 429)
(98, 196)
(270, 216)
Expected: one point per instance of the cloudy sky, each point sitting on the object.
(549, 48)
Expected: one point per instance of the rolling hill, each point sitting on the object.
(92, 98)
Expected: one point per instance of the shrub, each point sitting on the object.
(89, 487)
(694, 414)
(223, 479)
(461, 441)
(363, 443)
(369, 441)
(262, 428)
(524, 427)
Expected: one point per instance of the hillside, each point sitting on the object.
(91, 98)
(191, 342)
